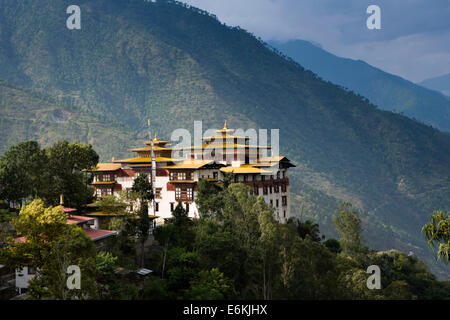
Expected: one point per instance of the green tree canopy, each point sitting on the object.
(437, 231)
(22, 171)
(348, 224)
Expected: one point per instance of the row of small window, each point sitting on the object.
(263, 177)
(103, 192)
(271, 189)
(215, 175)
(277, 202)
(106, 177)
(184, 194)
(180, 176)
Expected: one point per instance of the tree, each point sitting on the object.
(154, 289)
(209, 199)
(182, 266)
(437, 231)
(107, 286)
(269, 245)
(66, 162)
(307, 228)
(210, 285)
(26, 171)
(22, 172)
(111, 205)
(143, 188)
(349, 227)
(333, 245)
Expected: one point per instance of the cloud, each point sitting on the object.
(414, 41)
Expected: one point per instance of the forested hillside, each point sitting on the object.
(30, 115)
(133, 60)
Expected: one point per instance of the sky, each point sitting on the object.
(413, 42)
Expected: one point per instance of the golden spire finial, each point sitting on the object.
(156, 137)
(225, 125)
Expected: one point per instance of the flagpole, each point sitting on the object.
(153, 171)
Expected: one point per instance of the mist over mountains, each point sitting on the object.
(134, 60)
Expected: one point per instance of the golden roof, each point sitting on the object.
(150, 148)
(108, 214)
(272, 159)
(103, 167)
(190, 164)
(224, 137)
(182, 181)
(103, 183)
(224, 146)
(145, 160)
(244, 169)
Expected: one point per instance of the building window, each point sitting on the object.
(172, 175)
(171, 206)
(245, 178)
(265, 190)
(177, 193)
(181, 175)
(284, 201)
(271, 203)
(276, 188)
(256, 190)
(189, 194)
(284, 214)
(106, 178)
(158, 193)
(278, 203)
(254, 177)
(156, 206)
(263, 178)
(187, 207)
(283, 188)
(270, 189)
(188, 176)
(278, 175)
(215, 175)
(284, 174)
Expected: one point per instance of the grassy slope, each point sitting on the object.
(136, 61)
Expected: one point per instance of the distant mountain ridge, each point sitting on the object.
(387, 91)
(135, 60)
(441, 83)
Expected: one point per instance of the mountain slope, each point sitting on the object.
(385, 90)
(133, 60)
(27, 115)
(441, 83)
